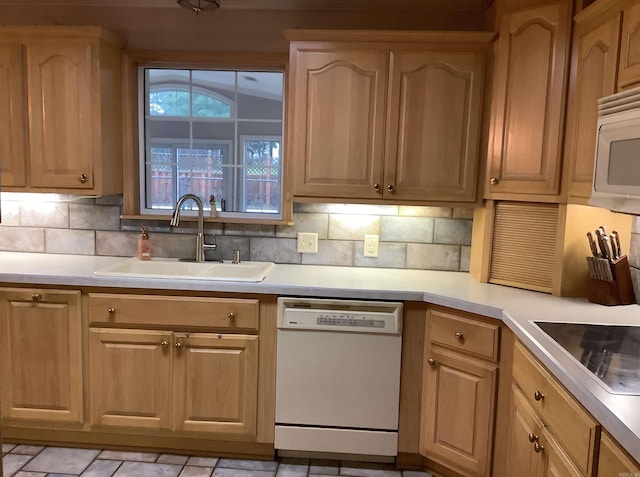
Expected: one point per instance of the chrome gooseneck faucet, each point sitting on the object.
(175, 221)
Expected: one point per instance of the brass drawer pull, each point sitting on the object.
(36, 297)
(431, 362)
(231, 315)
(538, 396)
(111, 310)
(494, 181)
(376, 187)
(178, 345)
(164, 343)
(83, 178)
(532, 437)
(390, 188)
(459, 336)
(537, 447)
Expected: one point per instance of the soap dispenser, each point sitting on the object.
(144, 245)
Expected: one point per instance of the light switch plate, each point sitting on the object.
(307, 242)
(371, 245)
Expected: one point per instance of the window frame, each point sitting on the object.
(134, 114)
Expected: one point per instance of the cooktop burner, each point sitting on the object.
(610, 352)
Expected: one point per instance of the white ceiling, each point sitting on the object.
(401, 5)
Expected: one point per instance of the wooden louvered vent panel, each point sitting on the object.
(524, 243)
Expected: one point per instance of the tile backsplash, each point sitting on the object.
(634, 256)
(431, 238)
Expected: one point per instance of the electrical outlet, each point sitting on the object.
(307, 242)
(371, 245)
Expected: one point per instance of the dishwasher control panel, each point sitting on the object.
(340, 315)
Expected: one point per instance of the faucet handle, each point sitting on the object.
(211, 242)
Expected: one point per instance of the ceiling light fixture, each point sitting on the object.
(198, 6)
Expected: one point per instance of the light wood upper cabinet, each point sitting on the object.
(596, 47)
(528, 103)
(338, 106)
(13, 148)
(435, 107)
(41, 363)
(386, 117)
(459, 392)
(70, 108)
(629, 74)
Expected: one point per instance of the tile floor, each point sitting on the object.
(37, 461)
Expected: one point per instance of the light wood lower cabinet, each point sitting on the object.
(614, 461)
(532, 449)
(41, 342)
(459, 392)
(201, 382)
(561, 436)
(174, 376)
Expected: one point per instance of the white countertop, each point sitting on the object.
(619, 414)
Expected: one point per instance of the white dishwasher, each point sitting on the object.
(338, 376)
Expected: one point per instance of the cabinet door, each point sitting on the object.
(528, 109)
(614, 461)
(41, 345)
(556, 462)
(457, 411)
(216, 383)
(597, 53)
(337, 122)
(435, 108)
(130, 378)
(524, 430)
(629, 69)
(60, 95)
(13, 157)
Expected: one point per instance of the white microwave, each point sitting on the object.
(616, 173)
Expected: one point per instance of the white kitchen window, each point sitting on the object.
(212, 132)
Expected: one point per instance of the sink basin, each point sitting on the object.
(174, 268)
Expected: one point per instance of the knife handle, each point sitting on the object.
(603, 247)
(615, 244)
(592, 245)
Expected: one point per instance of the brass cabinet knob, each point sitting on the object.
(178, 344)
(164, 343)
(111, 310)
(231, 315)
(494, 181)
(537, 447)
(538, 396)
(532, 437)
(390, 188)
(376, 187)
(83, 178)
(36, 297)
(459, 336)
(431, 362)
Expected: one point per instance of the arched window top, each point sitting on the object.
(191, 93)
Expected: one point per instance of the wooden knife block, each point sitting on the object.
(619, 291)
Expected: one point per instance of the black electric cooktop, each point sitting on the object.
(610, 352)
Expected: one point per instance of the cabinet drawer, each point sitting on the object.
(463, 334)
(174, 311)
(561, 413)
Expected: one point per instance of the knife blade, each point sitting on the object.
(592, 245)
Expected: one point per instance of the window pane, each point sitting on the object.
(213, 133)
(262, 176)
